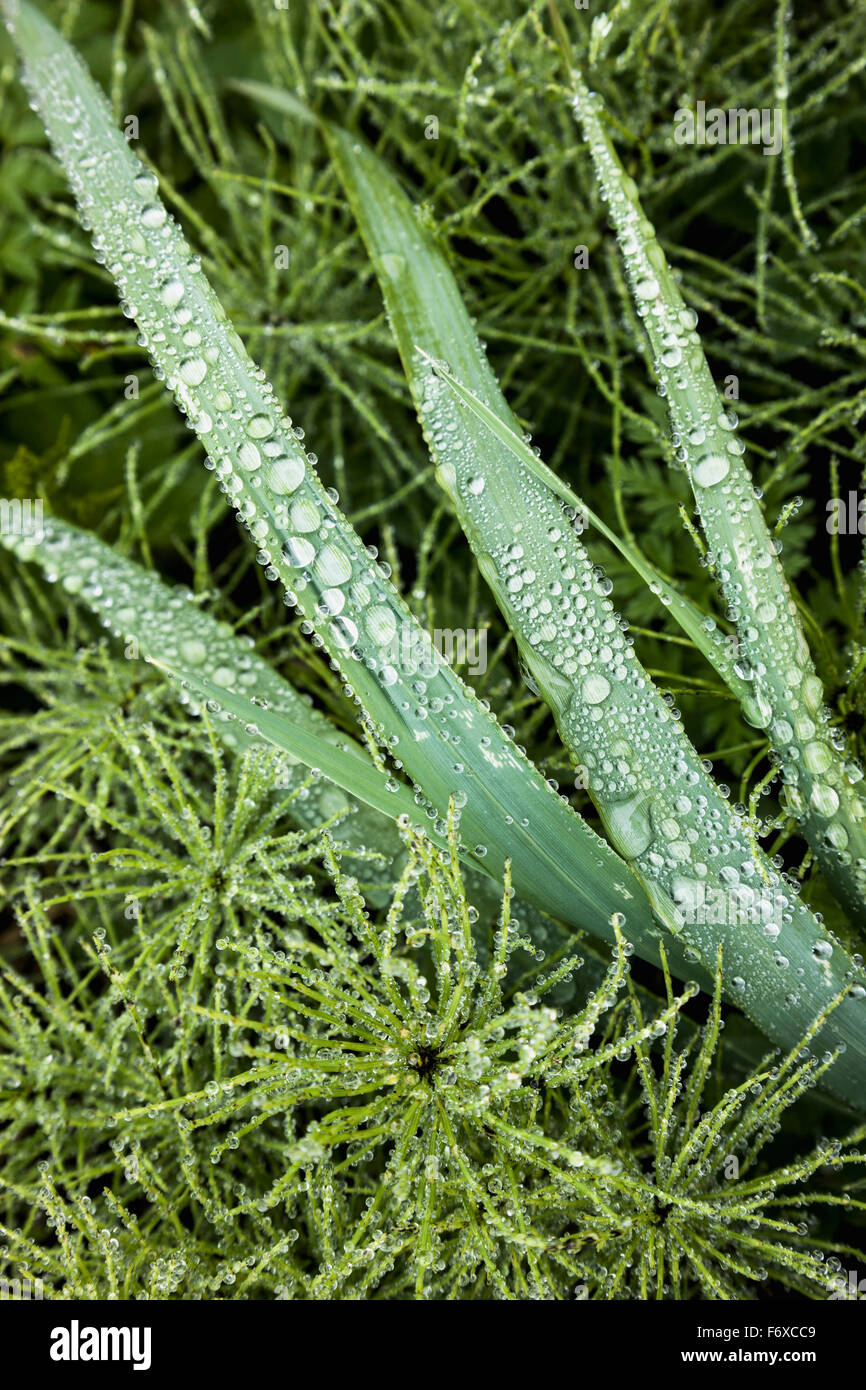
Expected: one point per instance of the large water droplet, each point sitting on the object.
(193, 370)
(192, 650)
(817, 757)
(710, 470)
(249, 456)
(345, 632)
(333, 601)
(333, 565)
(298, 551)
(305, 515)
(171, 291)
(595, 688)
(285, 474)
(824, 799)
(647, 288)
(629, 826)
(381, 624)
(153, 215)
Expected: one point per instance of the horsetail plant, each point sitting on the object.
(436, 1128)
(671, 829)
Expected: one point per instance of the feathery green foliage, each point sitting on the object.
(427, 1128)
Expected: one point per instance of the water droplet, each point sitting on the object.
(305, 515)
(595, 688)
(249, 456)
(285, 474)
(824, 799)
(193, 370)
(153, 215)
(629, 826)
(333, 565)
(171, 291)
(381, 624)
(647, 288)
(817, 757)
(333, 601)
(298, 552)
(192, 650)
(710, 470)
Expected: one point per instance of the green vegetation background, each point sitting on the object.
(771, 251)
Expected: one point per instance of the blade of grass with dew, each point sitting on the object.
(166, 627)
(434, 728)
(660, 808)
(694, 623)
(822, 788)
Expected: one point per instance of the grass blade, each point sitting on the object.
(823, 792)
(167, 628)
(691, 619)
